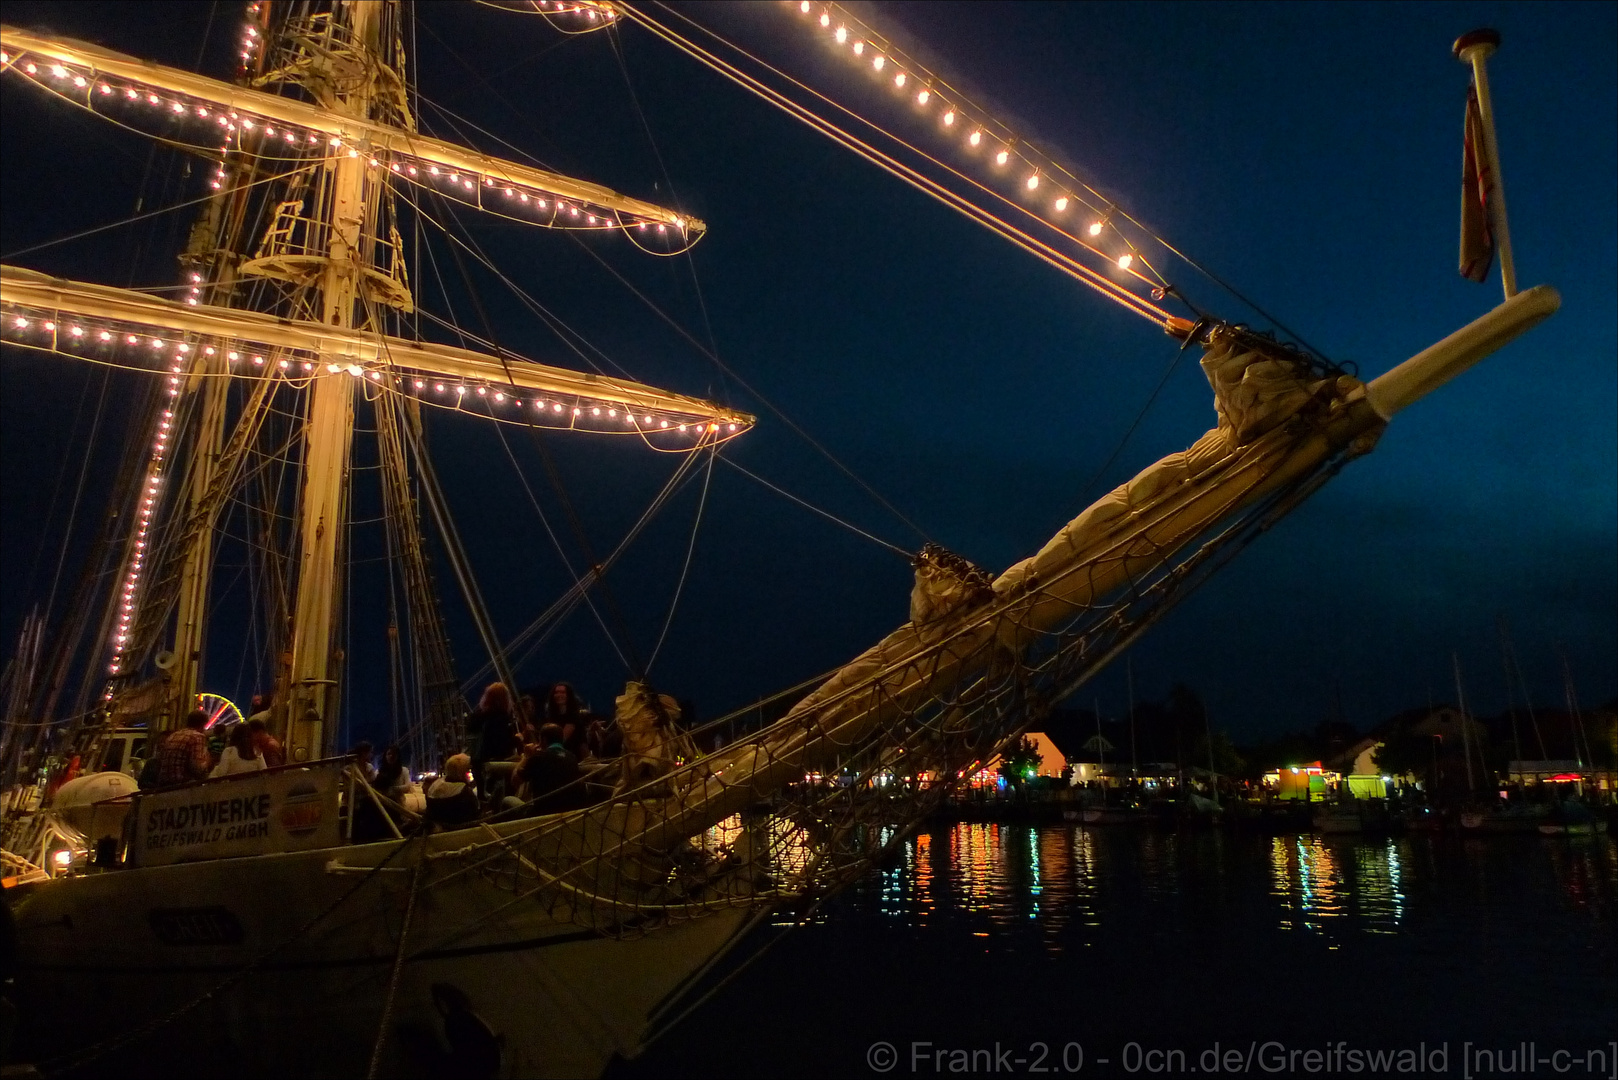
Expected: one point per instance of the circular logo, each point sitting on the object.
(881, 1057)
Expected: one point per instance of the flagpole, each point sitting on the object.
(1475, 48)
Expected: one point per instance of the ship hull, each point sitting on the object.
(299, 953)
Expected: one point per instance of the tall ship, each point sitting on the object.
(253, 907)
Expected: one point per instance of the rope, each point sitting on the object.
(1089, 485)
(154, 213)
(766, 402)
(1105, 208)
(398, 963)
(829, 516)
(691, 547)
(561, 553)
(1040, 249)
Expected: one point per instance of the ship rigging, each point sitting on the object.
(300, 312)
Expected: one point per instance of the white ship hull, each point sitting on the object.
(104, 954)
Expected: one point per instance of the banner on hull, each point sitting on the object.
(288, 809)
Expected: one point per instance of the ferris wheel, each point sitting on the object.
(220, 709)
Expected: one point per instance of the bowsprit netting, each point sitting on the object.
(795, 810)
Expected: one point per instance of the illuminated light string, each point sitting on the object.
(490, 193)
(62, 334)
(1039, 248)
(568, 16)
(953, 109)
(233, 126)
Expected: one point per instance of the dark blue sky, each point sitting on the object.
(1309, 154)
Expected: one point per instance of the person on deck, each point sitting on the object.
(363, 753)
(492, 730)
(564, 709)
(451, 801)
(267, 745)
(527, 719)
(551, 775)
(239, 755)
(183, 757)
(392, 778)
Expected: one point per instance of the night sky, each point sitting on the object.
(1309, 154)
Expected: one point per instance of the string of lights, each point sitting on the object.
(129, 599)
(1041, 249)
(517, 192)
(1049, 189)
(566, 16)
(95, 340)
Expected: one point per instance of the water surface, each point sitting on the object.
(1116, 937)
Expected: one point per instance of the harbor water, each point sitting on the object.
(1109, 951)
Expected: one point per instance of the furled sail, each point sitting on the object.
(966, 673)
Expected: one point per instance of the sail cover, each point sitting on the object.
(1280, 421)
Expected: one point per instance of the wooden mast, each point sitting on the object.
(349, 213)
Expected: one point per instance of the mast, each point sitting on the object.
(349, 224)
(331, 243)
(191, 621)
(1466, 735)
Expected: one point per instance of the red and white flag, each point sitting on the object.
(1477, 197)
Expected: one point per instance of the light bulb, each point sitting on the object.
(1124, 260)
(1095, 228)
(859, 48)
(825, 19)
(1061, 204)
(842, 34)
(879, 61)
(1002, 157)
(899, 79)
(977, 137)
(949, 118)
(1033, 181)
(921, 98)
(804, 7)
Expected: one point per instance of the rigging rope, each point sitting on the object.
(766, 402)
(1039, 248)
(679, 587)
(901, 552)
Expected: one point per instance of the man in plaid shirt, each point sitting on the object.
(184, 756)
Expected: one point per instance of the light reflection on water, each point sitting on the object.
(1072, 886)
(981, 932)
(1315, 881)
